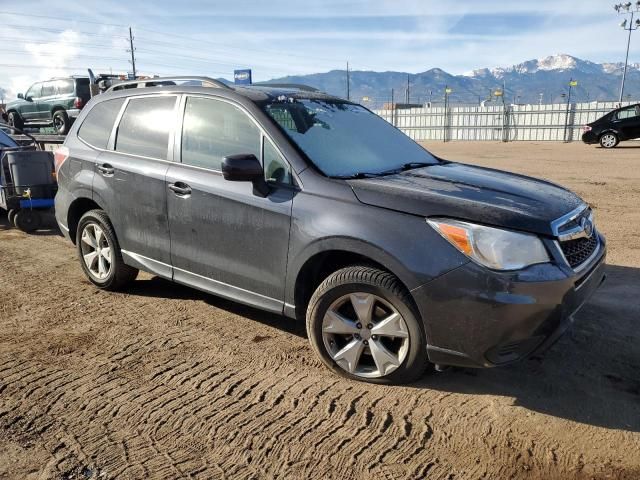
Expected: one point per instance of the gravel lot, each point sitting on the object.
(166, 382)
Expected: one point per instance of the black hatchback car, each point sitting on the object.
(614, 127)
(307, 205)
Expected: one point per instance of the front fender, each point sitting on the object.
(403, 244)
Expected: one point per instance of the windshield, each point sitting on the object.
(6, 140)
(346, 140)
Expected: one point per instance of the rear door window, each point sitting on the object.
(97, 126)
(48, 89)
(145, 127)
(627, 113)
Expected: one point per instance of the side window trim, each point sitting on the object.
(263, 133)
(111, 144)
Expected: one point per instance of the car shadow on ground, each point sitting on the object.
(589, 376)
(161, 288)
(49, 226)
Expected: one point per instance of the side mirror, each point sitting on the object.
(21, 96)
(245, 168)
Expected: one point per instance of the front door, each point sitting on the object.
(29, 109)
(224, 238)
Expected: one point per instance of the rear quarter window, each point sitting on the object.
(97, 125)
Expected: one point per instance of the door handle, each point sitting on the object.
(180, 189)
(106, 169)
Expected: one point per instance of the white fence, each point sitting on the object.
(553, 122)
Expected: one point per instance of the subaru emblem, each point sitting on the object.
(587, 226)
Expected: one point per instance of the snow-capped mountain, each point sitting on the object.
(524, 82)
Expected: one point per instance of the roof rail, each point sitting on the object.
(162, 81)
(298, 86)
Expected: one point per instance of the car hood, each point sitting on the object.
(466, 192)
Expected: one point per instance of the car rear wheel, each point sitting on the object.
(99, 252)
(609, 140)
(362, 324)
(15, 120)
(61, 122)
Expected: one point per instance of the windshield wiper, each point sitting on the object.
(412, 165)
(404, 167)
(359, 175)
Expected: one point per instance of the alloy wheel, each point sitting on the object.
(608, 140)
(365, 335)
(96, 251)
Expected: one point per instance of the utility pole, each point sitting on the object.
(572, 83)
(407, 97)
(626, 9)
(132, 50)
(348, 83)
(393, 110)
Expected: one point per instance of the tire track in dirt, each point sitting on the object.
(114, 384)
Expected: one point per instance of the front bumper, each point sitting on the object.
(475, 317)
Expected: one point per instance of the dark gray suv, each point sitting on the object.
(300, 203)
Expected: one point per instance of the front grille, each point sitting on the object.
(579, 250)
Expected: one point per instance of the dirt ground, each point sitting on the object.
(165, 382)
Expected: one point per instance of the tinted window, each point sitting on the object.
(276, 169)
(145, 126)
(97, 125)
(65, 87)
(214, 129)
(627, 113)
(82, 87)
(48, 89)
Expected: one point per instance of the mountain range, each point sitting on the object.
(545, 79)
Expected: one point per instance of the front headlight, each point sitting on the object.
(492, 247)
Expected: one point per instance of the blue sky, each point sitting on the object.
(280, 37)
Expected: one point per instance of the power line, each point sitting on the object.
(57, 30)
(21, 14)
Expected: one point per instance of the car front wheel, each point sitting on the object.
(99, 252)
(609, 140)
(15, 120)
(362, 324)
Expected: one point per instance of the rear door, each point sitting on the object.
(130, 179)
(224, 238)
(48, 96)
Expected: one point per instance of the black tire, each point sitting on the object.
(15, 120)
(368, 280)
(11, 215)
(119, 274)
(609, 140)
(61, 122)
(27, 220)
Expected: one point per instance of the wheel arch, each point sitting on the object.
(79, 207)
(322, 262)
